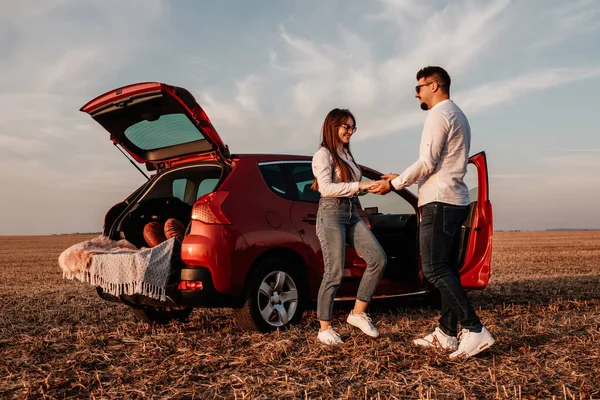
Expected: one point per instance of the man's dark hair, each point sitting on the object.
(438, 74)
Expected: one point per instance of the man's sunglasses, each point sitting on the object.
(418, 87)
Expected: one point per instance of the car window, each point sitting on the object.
(164, 131)
(391, 203)
(303, 179)
(185, 183)
(274, 178)
(471, 180)
(206, 186)
(179, 188)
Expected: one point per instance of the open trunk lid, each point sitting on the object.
(157, 124)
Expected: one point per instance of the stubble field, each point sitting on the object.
(59, 340)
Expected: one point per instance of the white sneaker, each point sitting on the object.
(329, 337)
(472, 343)
(439, 340)
(362, 322)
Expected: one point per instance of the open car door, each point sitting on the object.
(476, 245)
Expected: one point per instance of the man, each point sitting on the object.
(444, 203)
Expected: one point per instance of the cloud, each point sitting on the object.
(56, 56)
(492, 94)
(21, 11)
(307, 58)
(303, 77)
(64, 47)
(73, 63)
(513, 176)
(568, 20)
(452, 36)
(571, 164)
(582, 150)
(21, 146)
(60, 53)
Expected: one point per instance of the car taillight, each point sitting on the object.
(190, 285)
(208, 209)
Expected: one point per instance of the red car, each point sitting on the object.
(250, 242)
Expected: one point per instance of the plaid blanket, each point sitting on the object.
(118, 267)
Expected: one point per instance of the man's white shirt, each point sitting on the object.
(443, 157)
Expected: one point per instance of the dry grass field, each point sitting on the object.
(59, 340)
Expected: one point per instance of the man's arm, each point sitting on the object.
(433, 139)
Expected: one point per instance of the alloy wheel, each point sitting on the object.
(277, 298)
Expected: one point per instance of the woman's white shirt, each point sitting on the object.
(330, 184)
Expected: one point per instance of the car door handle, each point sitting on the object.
(310, 219)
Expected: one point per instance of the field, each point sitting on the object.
(59, 340)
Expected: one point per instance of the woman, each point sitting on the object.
(337, 178)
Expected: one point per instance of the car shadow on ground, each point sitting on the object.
(540, 291)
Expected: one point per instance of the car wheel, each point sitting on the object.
(275, 298)
(161, 316)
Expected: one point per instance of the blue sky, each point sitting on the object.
(527, 74)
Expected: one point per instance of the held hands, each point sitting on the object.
(366, 185)
(383, 186)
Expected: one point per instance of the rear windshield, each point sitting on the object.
(154, 128)
(187, 183)
(167, 130)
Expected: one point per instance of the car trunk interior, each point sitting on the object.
(171, 194)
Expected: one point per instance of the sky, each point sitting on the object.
(526, 74)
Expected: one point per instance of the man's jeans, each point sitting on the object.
(439, 234)
(338, 223)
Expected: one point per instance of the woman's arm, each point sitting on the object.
(322, 166)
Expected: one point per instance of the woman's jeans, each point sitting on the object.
(439, 239)
(338, 223)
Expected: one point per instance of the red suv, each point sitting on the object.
(250, 242)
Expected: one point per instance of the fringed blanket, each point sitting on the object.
(118, 267)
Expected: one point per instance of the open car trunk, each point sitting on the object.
(170, 194)
(158, 124)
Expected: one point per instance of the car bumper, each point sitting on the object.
(206, 297)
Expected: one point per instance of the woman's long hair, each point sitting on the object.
(331, 140)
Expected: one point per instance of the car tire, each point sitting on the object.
(275, 297)
(161, 316)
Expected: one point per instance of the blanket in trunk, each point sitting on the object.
(118, 267)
